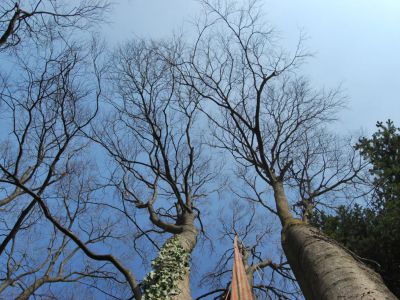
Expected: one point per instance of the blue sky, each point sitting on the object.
(356, 44)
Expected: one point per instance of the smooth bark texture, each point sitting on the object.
(282, 205)
(326, 270)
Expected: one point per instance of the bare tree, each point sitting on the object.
(268, 274)
(34, 263)
(267, 118)
(152, 135)
(49, 107)
(50, 90)
(47, 114)
(35, 20)
(271, 120)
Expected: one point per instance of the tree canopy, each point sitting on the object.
(132, 170)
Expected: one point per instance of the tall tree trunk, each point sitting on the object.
(324, 269)
(249, 271)
(185, 241)
(250, 278)
(188, 241)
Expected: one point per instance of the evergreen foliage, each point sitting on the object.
(373, 232)
(169, 268)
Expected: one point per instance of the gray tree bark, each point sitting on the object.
(324, 269)
(31, 289)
